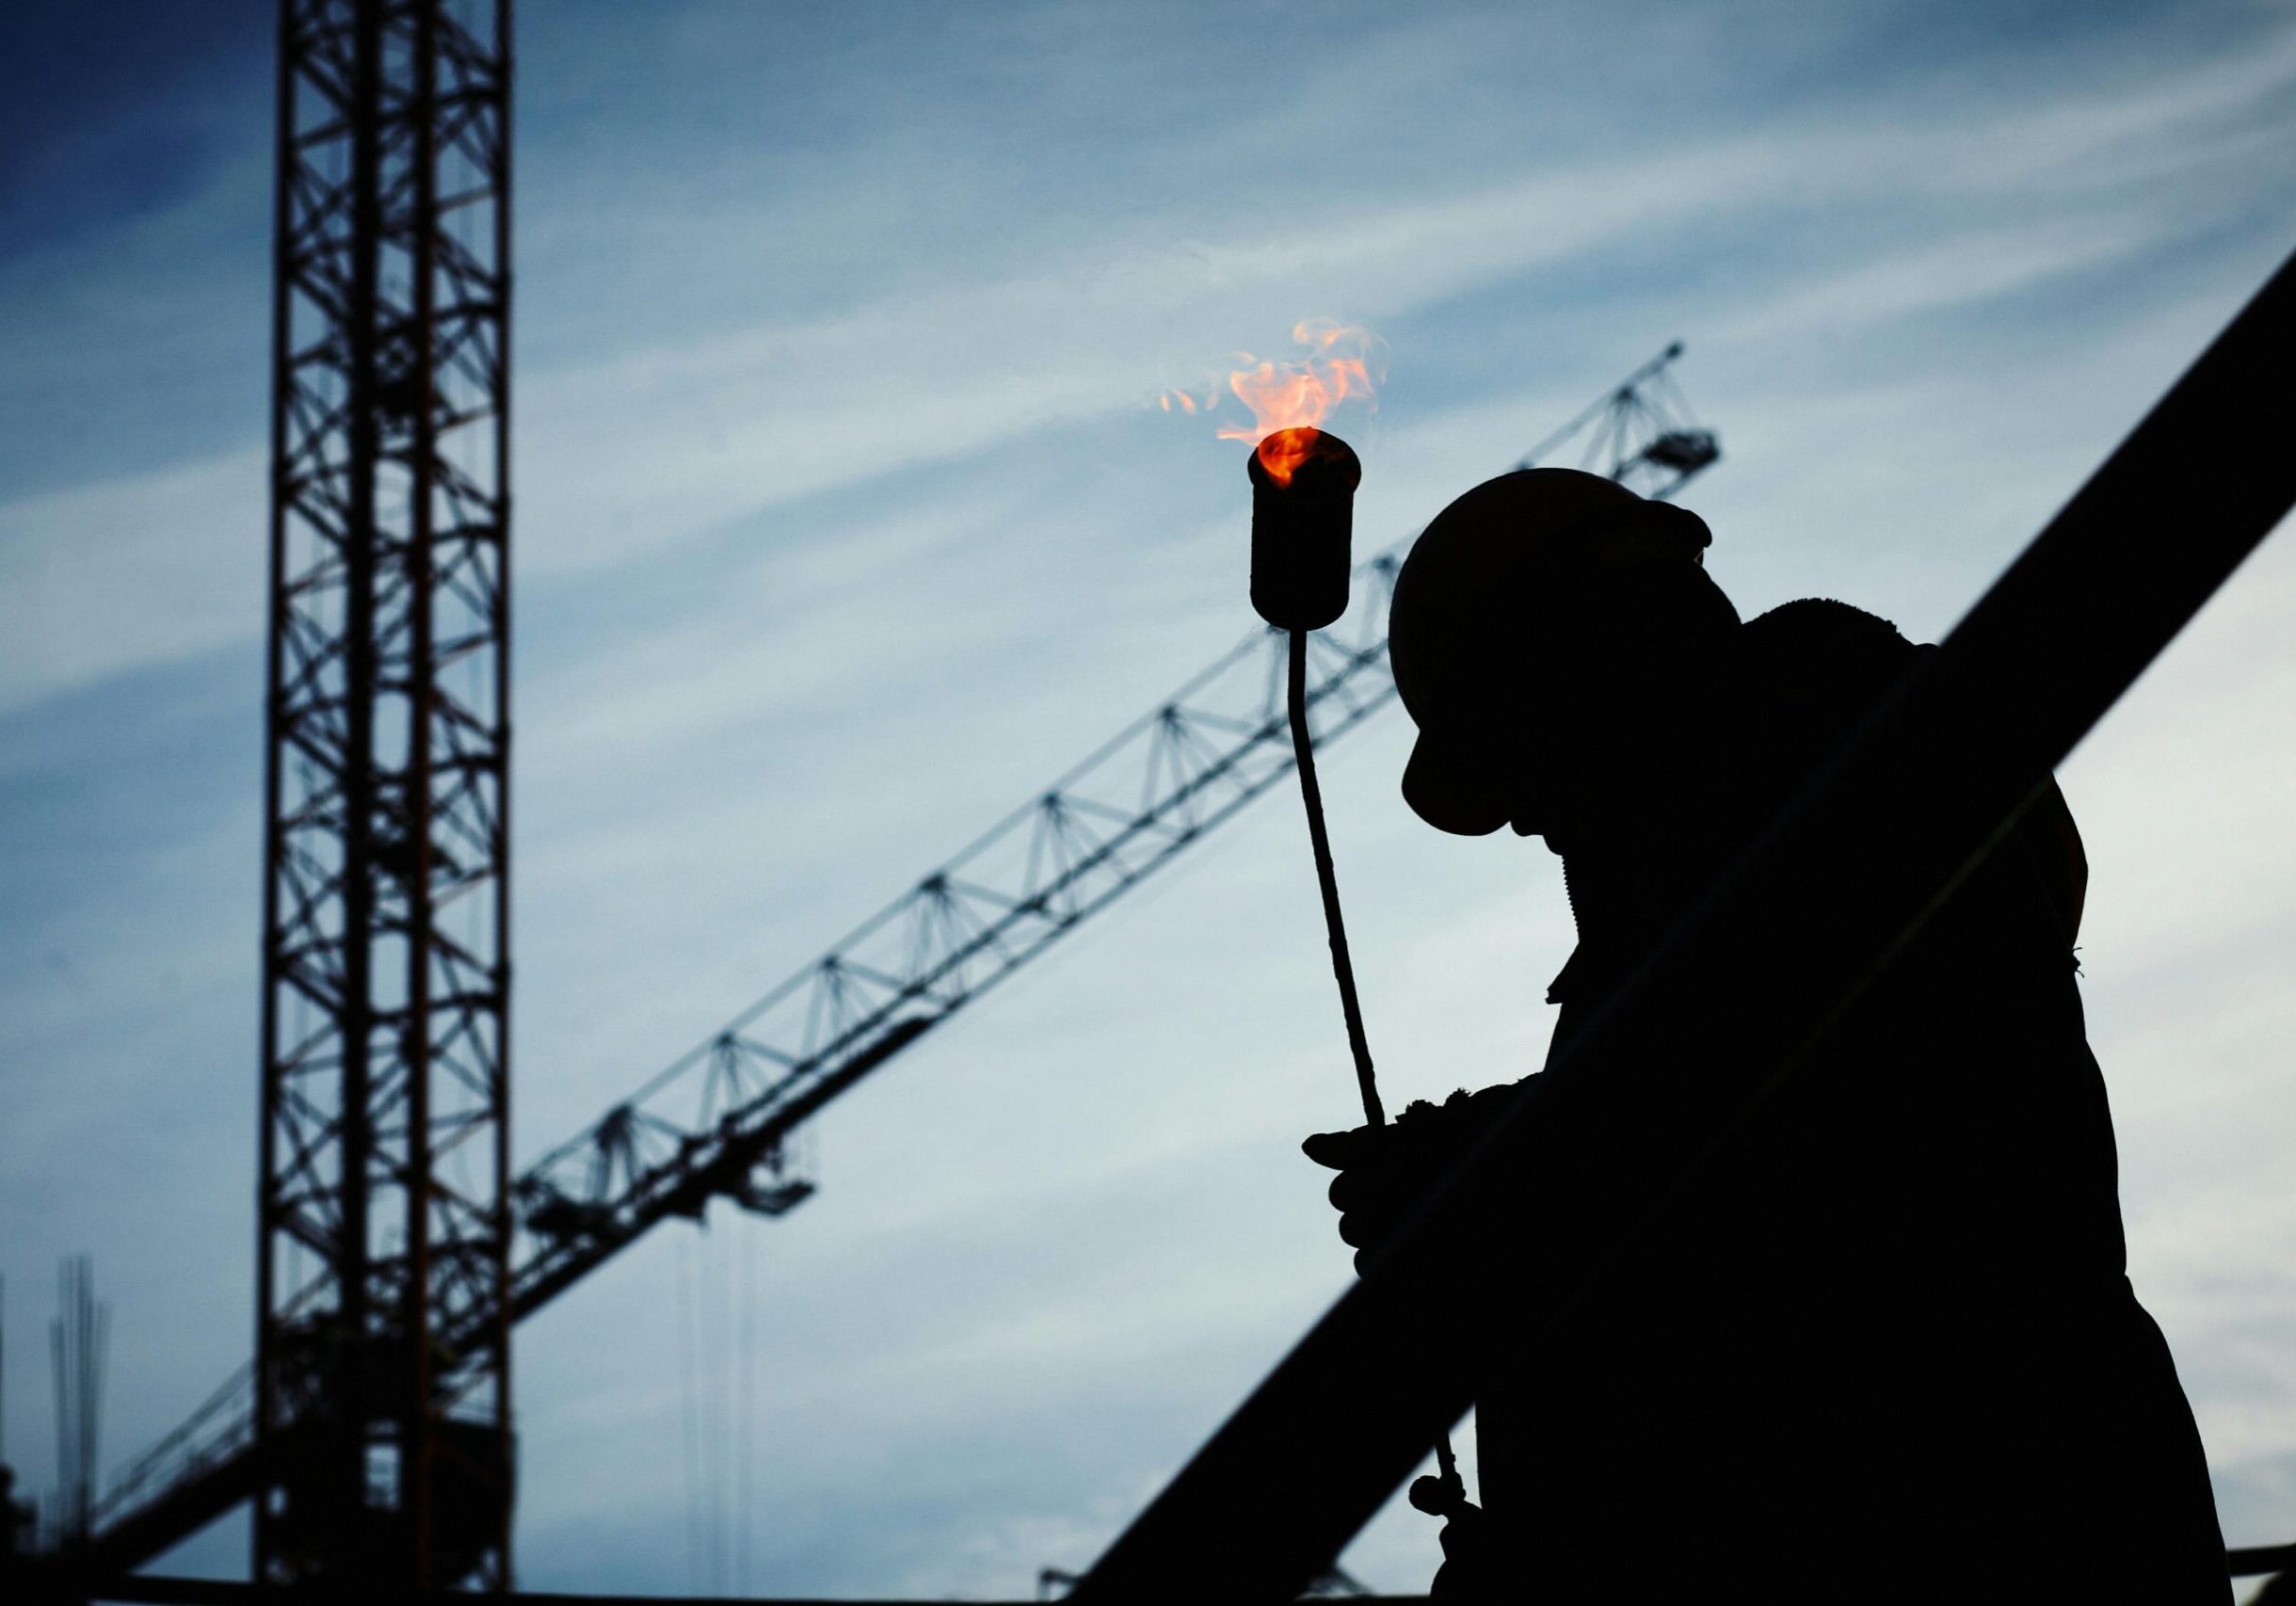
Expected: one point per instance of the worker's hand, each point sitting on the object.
(1383, 1171)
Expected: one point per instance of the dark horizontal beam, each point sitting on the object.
(144, 1591)
(2260, 1560)
(47, 1588)
(1789, 939)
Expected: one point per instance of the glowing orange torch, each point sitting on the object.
(1303, 479)
(1302, 522)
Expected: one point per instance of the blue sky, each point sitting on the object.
(845, 520)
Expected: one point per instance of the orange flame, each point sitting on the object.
(1341, 362)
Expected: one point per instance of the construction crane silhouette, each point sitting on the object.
(715, 1122)
(373, 1432)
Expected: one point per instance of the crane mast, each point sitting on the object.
(381, 1421)
(714, 1121)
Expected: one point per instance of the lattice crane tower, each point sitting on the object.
(384, 1228)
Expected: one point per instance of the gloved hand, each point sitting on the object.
(1386, 1170)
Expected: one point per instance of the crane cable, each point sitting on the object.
(690, 1408)
(745, 1409)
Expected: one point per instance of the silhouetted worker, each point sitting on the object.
(1886, 1350)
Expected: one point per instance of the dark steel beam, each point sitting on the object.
(148, 1591)
(1973, 735)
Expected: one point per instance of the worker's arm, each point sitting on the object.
(1385, 1170)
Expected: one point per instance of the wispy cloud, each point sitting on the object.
(623, 457)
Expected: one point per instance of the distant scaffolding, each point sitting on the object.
(382, 1444)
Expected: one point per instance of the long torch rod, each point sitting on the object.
(1335, 926)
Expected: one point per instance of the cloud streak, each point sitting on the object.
(622, 458)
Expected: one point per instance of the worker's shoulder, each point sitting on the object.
(1820, 651)
(1819, 633)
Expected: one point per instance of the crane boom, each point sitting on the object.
(713, 1121)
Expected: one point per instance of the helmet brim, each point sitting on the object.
(1448, 798)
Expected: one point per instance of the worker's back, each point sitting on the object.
(1886, 1347)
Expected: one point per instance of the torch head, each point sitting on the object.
(1303, 521)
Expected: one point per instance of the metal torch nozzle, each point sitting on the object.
(1302, 522)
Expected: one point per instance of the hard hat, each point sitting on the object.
(1539, 552)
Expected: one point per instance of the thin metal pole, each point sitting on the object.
(497, 1339)
(416, 1408)
(1343, 969)
(63, 1413)
(268, 1208)
(351, 1541)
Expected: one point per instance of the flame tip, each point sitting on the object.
(1296, 394)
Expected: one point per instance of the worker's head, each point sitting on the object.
(1547, 629)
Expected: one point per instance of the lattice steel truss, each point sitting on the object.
(382, 1376)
